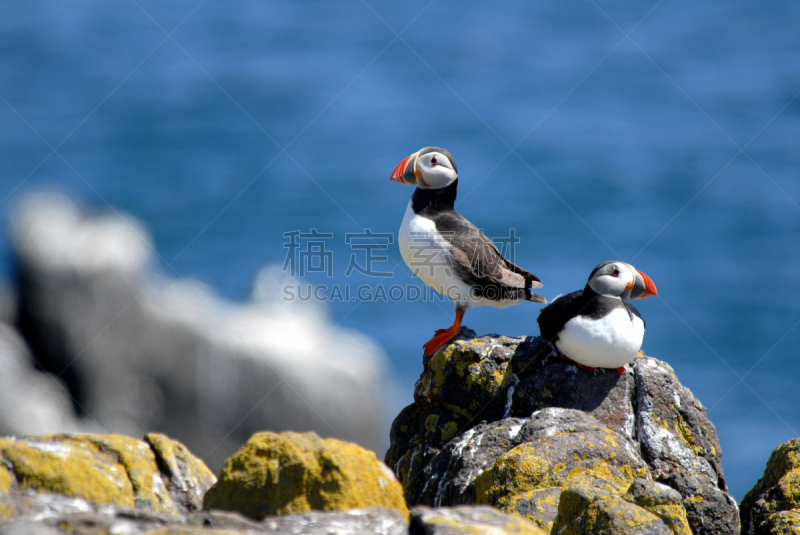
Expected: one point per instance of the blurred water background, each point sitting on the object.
(224, 125)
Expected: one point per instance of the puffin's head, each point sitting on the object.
(618, 279)
(428, 168)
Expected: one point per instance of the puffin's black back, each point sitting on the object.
(586, 302)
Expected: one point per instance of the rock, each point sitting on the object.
(285, 473)
(680, 445)
(521, 465)
(105, 470)
(187, 477)
(465, 520)
(582, 511)
(646, 507)
(661, 500)
(31, 402)
(547, 426)
(59, 516)
(376, 520)
(773, 505)
(139, 351)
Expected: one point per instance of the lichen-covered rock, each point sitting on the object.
(467, 520)
(560, 448)
(773, 505)
(521, 465)
(582, 511)
(487, 388)
(661, 500)
(284, 473)
(106, 470)
(466, 377)
(188, 478)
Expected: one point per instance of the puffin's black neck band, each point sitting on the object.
(434, 198)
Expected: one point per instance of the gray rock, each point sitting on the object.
(681, 446)
(140, 351)
(473, 401)
(377, 520)
(61, 515)
(466, 520)
(31, 402)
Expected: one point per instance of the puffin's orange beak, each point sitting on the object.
(643, 287)
(405, 172)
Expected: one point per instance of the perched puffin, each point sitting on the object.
(448, 252)
(596, 327)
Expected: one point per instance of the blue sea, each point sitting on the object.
(665, 134)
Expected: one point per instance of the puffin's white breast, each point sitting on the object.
(608, 342)
(427, 253)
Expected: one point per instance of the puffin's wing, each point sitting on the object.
(535, 282)
(479, 263)
(552, 318)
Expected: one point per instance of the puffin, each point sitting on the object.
(448, 252)
(597, 327)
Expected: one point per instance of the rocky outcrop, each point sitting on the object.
(773, 505)
(284, 473)
(100, 484)
(507, 422)
(138, 350)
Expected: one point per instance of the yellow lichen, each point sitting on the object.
(430, 423)
(449, 430)
(697, 498)
(6, 479)
(137, 459)
(283, 473)
(683, 430)
(674, 516)
(68, 470)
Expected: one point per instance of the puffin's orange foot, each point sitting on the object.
(581, 366)
(439, 339)
(621, 369)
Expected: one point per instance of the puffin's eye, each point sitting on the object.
(434, 161)
(616, 272)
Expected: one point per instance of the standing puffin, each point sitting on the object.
(448, 252)
(596, 327)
